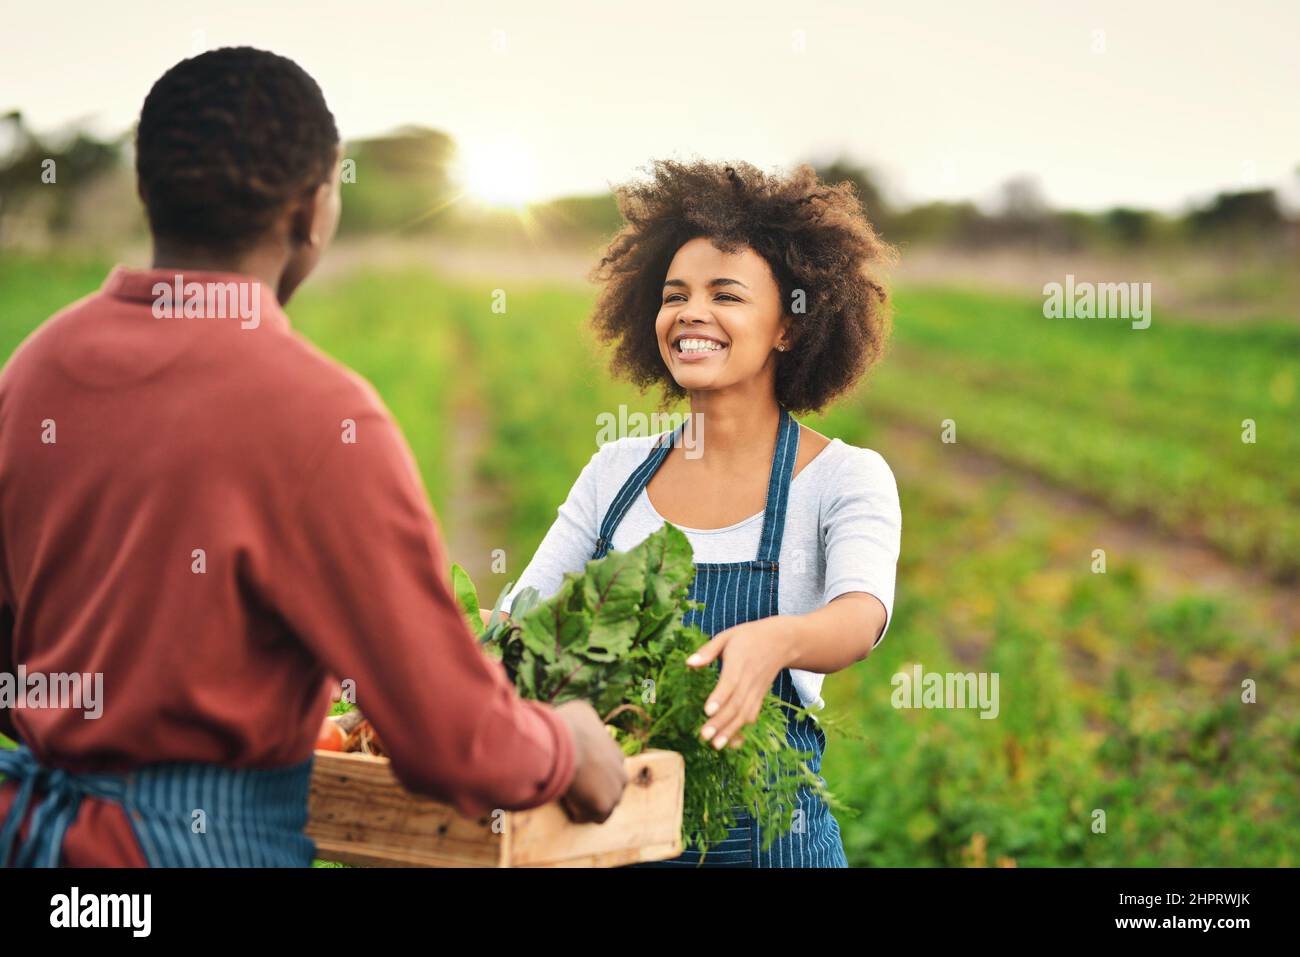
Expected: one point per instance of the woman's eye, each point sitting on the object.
(679, 297)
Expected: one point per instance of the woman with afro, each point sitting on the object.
(755, 297)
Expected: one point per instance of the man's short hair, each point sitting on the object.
(226, 139)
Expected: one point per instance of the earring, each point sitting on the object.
(780, 348)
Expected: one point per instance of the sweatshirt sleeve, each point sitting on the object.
(362, 578)
(862, 526)
(7, 664)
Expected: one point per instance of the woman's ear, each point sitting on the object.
(786, 340)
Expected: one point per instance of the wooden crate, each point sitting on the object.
(359, 814)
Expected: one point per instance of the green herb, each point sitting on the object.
(614, 636)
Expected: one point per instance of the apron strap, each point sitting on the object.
(257, 815)
(635, 483)
(63, 792)
(778, 488)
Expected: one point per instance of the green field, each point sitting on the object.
(1121, 692)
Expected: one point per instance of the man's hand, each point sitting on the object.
(598, 776)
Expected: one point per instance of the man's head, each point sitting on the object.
(237, 154)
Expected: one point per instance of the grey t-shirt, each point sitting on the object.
(842, 532)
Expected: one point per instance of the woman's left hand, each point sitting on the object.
(752, 654)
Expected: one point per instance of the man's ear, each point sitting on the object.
(310, 215)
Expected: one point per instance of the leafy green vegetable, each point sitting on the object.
(466, 595)
(614, 636)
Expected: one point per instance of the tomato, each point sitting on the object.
(331, 737)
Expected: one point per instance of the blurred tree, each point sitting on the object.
(864, 180)
(955, 224)
(42, 180)
(1071, 230)
(579, 217)
(401, 181)
(1249, 215)
(1130, 227)
(1025, 217)
(1023, 200)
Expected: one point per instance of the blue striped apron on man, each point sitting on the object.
(249, 818)
(734, 593)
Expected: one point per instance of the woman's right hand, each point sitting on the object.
(599, 776)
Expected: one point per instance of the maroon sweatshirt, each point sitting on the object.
(218, 518)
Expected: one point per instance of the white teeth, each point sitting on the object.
(699, 345)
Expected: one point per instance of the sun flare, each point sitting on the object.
(500, 173)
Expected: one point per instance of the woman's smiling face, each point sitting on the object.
(720, 317)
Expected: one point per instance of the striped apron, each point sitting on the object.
(734, 593)
(183, 815)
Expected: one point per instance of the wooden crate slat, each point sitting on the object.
(360, 814)
(647, 821)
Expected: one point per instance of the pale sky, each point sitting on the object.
(1149, 104)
